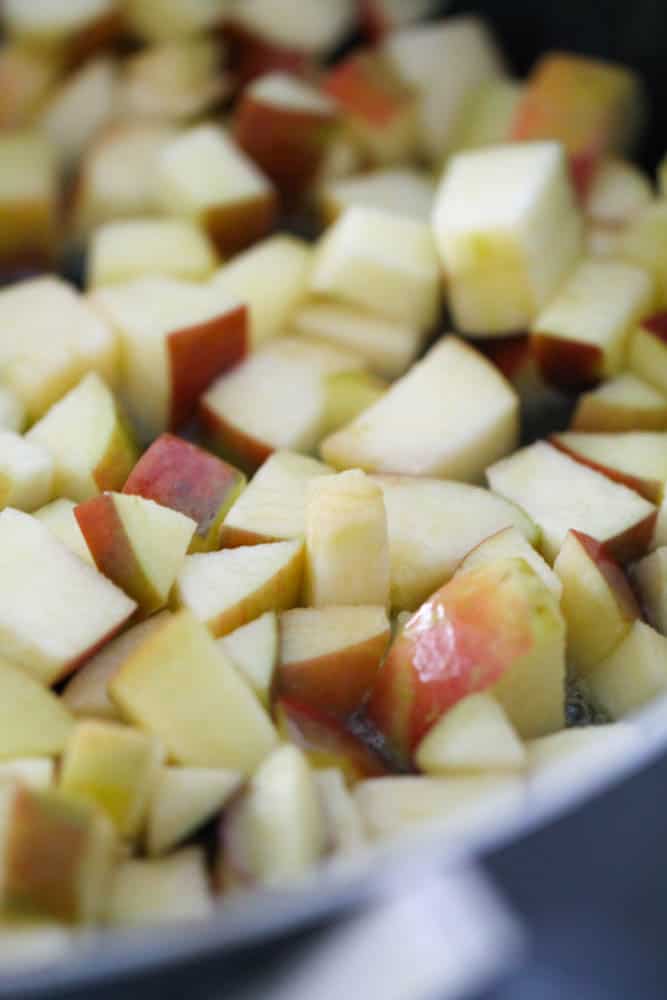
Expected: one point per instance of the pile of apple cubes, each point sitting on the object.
(180, 645)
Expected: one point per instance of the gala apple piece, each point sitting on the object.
(637, 459)
(159, 890)
(624, 403)
(511, 543)
(33, 721)
(183, 799)
(634, 674)
(254, 650)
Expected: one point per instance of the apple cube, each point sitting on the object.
(166, 20)
(329, 656)
(449, 417)
(114, 768)
(401, 190)
(26, 472)
(34, 722)
(474, 735)
(254, 650)
(634, 674)
(180, 686)
(12, 410)
(232, 587)
(28, 194)
(649, 576)
(508, 232)
(187, 479)
(560, 495)
(618, 193)
(175, 342)
(55, 610)
(376, 260)
(36, 773)
(273, 506)
(593, 107)
(74, 27)
(644, 242)
(204, 176)
(495, 628)
(488, 116)
(344, 830)
(624, 403)
(250, 277)
(637, 459)
(58, 516)
(26, 78)
(647, 351)
(511, 543)
(160, 890)
(183, 799)
(137, 543)
(583, 333)
(79, 109)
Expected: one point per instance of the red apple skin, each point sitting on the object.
(657, 325)
(251, 56)
(651, 489)
(613, 574)
(188, 479)
(232, 228)
(198, 354)
(236, 446)
(357, 83)
(567, 364)
(633, 543)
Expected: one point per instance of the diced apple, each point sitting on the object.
(624, 403)
(12, 410)
(344, 830)
(36, 773)
(450, 416)
(647, 351)
(495, 628)
(28, 193)
(376, 260)
(254, 649)
(180, 686)
(315, 29)
(54, 609)
(232, 587)
(349, 394)
(618, 193)
(34, 722)
(79, 109)
(511, 543)
(650, 579)
(177, 474)
(508, 232)
(488, 115)
(644, 242)
(400, 190)
(637, 459)
(183, 799)
(250, 277)
(26, 78)
(580, 748)
(164, 20)
(273, 506)
(26, 472)
(58, 516)
(329, 656)
(634, 674)
(58, 24)
(474, 735)
(560, 495)
(175, 341)
(160, 890)
(57, 857)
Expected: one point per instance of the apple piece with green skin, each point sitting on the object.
(182, 800)
(272, 508)
(647, 351)
(495, 628)
(190, 480)
(88, 437)
(402, 190)
(511, 543)
(28, 203)
(230, 588)
(633, 675)
(59, 518)
(159, 890)
(344, 830)
(649, 576)
(254, 650)
(80, 107)
(329, 656)
(137, 543)
(114, 768)
(624, 403)
(598, 604)
(562, 495)
(474, 735)
(636, 459)
(33, 721)
(26, 472)
(36, 773)
(57, 857)
(643, 242)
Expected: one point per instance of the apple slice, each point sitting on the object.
(58, 516)
(34, 722)
(560, 495)
(26, 472)
(618, 193)
(624, 403)
(204, 176)
(649, 576)
(386, 263)
(643, 243)
(329, 656)
(637, 459)
(598, 604)
(57, 857)
(180, 686)
(284, 124)
(508, 232)
(634, 674)
(254, 650)
(449, 417)
(175, 342)
(488, 115)
(74, 28)
(114, 768)
(400, 190)
(92, 447)
(160, 890)
(183, 799)
(647, 352)
(35, 773)
(510, 543)
(232, 587)
(12, 411)
(580, 749)
(250, 278)
(26, 79)
(344, 830)
(79, 109)
(166, 20)
(28, 195)
(495, 628)
(55, 610)
(474, 735)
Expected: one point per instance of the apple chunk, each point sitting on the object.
(637, 459)
(474, 735)
(643, 243)
(159, 890)
(510, 543)
(26, 472)
(624, 403)
(177, 474)
(649, 576)
(254, 649)
(634, 674)
(55, 610)
(449, 417)
(58, 516)
(488, 116)
(33, 721)
(28, 206)
(647, 351)
(329, 656)
(183, 799)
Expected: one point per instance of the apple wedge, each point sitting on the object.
(637, 459)
(560, 495)
(58, 516)
(647, 351)
(401, 190)
(35, 773)
(634, 674)
(496, 628)
(232, 587)
(56, 610)
(508, 232)
(88, 439)
(379, 261)
(138, 544)
(183, 799)
(34, 722)
(28, 197)
(329, 656)
(26, 472)
(159, 890)
(204, 176)
(254, 650)
(344, 830)
(643, 243)
(83, 104)
(649, 577)
(624, 403)
(179, 686)
(510, 543)
(114, 768)
(167, 20)
(449, 417)
(474, 735)
(272, 508)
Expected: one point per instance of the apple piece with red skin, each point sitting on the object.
(624, 403)
(636, 459)
(190, 480)
(647, 352)
(495, 628)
